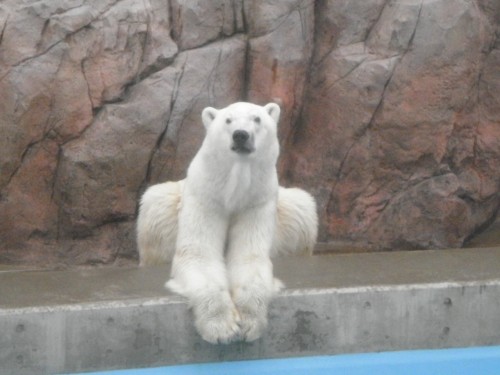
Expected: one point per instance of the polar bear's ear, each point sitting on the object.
(273, 110)
(208, 115)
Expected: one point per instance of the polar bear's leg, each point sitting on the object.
(157, 223)
(250, 268)
(296, 223)
(199, 272)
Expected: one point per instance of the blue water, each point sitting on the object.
(469, 361)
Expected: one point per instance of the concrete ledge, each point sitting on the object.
(92, 319)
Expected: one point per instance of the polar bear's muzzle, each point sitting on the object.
(242, 142)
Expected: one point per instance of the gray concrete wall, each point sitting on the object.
(83, 320)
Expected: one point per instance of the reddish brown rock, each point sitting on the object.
(384, 115)
(28, 209)
(280, 47)
(208, 76)
(390, 114)
(198, 22)
(100, 172)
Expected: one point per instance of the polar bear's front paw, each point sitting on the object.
(218, 326)
(252, 309)
(252, 326)
(218, 329)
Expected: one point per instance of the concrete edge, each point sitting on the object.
(155, 329)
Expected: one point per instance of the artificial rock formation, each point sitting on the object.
(391, 114)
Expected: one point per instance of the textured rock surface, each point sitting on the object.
(391, 114)
(396, 107)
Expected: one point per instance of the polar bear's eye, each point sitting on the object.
(257, 119)
(228, 121)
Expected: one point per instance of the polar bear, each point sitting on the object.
(223, 223)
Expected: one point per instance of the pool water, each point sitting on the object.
(468, 361)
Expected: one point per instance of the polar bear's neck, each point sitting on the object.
(236, 185)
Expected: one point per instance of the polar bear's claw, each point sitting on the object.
(217, 320)
(252, 328)
(219, 330)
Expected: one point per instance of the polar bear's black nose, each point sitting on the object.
(240, 136)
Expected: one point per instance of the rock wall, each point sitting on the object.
(391, 114)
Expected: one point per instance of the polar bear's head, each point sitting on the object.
(243, 128)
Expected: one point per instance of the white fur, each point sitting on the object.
(224, 221)
(157, 222)
(296, 223)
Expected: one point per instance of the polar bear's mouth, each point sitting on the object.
(242, 149)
